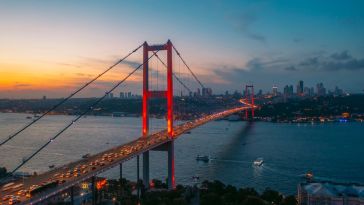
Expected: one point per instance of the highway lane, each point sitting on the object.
(81, 170)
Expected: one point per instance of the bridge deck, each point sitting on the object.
(98, 163)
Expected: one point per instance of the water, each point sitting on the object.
(331, 151)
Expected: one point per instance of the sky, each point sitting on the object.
(53, 47)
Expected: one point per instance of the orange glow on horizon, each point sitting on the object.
(18, 77)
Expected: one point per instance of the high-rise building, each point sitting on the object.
(206, 92)
(122, 95)
(300, 88)
(109, 95)
(260, 92)
(321, 91)
(288, 90)
(338, 91)
(275, 90)
(311, 91)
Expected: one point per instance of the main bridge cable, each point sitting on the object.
(67, 98)
(184, 62)
(79, 117)
(174, 75)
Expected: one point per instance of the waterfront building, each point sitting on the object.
(330, 193)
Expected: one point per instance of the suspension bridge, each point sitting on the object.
(67, 176)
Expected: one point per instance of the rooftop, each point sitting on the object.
(333, 189)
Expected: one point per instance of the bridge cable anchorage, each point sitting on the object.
(174, 75)
(70, 96)
(79, 116)
(184, 62)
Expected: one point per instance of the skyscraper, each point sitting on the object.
(288, 90)
(122, 95)
(275, 90)
(321, 91)
(300, 88)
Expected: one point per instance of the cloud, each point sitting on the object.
(310, 62)
(351, 65)
(133, 64)
(22, 85)
(69, 65)
(255, 64)
(298, 40)
(344, 55)
(84, 75)
(334, 62)
(243, 22)
(291, 68)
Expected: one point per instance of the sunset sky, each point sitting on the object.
(52, 47)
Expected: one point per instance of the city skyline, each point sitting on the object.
(51, 48)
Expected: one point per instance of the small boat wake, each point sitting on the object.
(279, 171)
(230, 161)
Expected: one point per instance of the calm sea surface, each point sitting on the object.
(331, 151)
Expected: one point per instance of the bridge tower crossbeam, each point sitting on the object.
(168, 94)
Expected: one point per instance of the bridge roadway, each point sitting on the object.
(73, 173)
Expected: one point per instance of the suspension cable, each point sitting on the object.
(70, 96)
(174, 75)
(184, 62)
(79, 116)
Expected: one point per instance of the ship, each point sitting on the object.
(258, 162)
(203, 158)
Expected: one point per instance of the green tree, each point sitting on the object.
(253, 200)
(245, 192)
(289, 200)
(210, 199)
(272, 196)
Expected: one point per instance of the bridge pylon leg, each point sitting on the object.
(171, 179)
(121, 179)
(72, 196)
(137, 183)
(146, 169)
(93, 191)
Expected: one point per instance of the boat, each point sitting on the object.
(188, 132)
(51, 166)
(203, 158)
(195, 178)
(86, 156)
(29, 117)
(258, 162)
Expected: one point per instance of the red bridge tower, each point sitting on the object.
(249, 97)
(168, 94)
